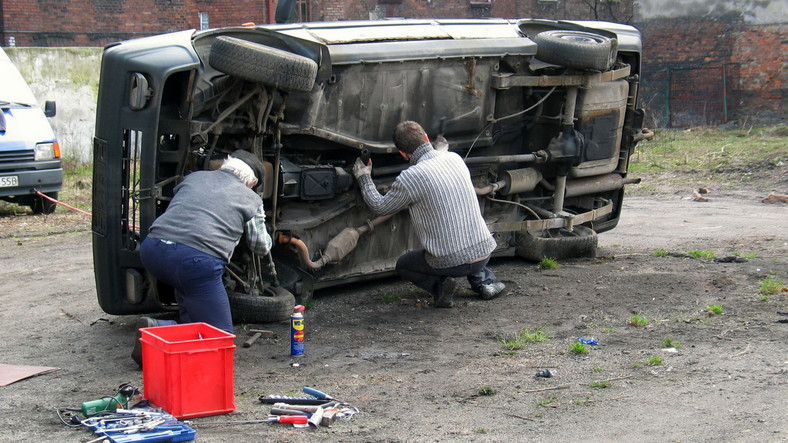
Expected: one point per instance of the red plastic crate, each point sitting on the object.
(188, 369)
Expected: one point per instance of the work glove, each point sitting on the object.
(359, 168)
(441, 144)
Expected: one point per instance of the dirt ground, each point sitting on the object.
(423, 374)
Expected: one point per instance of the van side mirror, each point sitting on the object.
(50, 109)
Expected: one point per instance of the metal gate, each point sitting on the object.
(698, 96)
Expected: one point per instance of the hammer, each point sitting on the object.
(257, 333)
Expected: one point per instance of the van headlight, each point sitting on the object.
(47, 151)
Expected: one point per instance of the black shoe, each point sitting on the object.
(142, 322)
(445, 296)
(491, 290)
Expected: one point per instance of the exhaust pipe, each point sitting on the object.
(337, 248)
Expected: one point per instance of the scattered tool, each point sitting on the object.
(319, 394)
(294, 419)
(125, 393)
(271, 399)
(257, 333)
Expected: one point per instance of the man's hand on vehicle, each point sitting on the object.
(359, 168)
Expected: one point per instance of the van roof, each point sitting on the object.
(13, 87)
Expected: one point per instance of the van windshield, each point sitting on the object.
(13, 88)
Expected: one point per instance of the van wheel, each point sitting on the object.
(40, 205)
(556, 243)
(262, 64)
(273, 306)
(576, 49)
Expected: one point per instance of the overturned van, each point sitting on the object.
(543, 112)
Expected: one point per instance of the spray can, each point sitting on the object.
(297, 331)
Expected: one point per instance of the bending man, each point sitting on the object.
(444, 209)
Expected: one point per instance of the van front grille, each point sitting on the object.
(17, 156)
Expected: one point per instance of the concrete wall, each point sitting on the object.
(752, 11)
(69, 76)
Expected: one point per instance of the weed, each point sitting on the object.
(546, 401)
(654, 360)
(669, 343)
(660, 253)
(638, 320)
(714, 309)
(597, 369)
(701, 254)
(391, 298)
(548, 263)
(607, 330)
(770, 286)
(765, 298)
(635, 364)
(310, 305)
(480, 431)
(523, 338)
(486, 391)
(578, 348)
(600, 384)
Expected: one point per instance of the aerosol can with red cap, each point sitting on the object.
(297, 331)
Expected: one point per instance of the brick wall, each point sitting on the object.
(98, 22)
(693, 66)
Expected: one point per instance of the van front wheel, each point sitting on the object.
(41, 205)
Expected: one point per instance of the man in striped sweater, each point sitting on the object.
(438, 192)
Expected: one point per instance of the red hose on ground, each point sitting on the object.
(41, 194)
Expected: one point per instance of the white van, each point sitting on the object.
(29, 152)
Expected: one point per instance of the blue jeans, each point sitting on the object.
(196, 278)
(413, 267)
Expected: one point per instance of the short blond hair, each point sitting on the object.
(240, 169)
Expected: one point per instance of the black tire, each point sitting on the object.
(277, 305)
(576, 49)
(40, 205)
(262, 64)
(556, 243)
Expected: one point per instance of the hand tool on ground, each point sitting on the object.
(294, 419)
(285, 411)
(271, 399)
(315, 393)
(121, 400)
(257, 333)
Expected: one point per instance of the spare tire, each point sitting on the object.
(273, 306)
(556, 243)
(576, 49)
(263, 64)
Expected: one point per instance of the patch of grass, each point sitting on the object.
(668, 342)
(654, 360)
(548, 263)
(607, 330)
(391, 298)
(709, 149)
(770, 286)
(660, 253)
(480, 431)
(310, 305)
(765, 298)
(638, 320)
(582, 401)
(597, 369)
(636, 364)
(714, 309)
(486, 391)
(695, 253)
(578, 348)
(525, 337)
(546, 401)
(600, 384)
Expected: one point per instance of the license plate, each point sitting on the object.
(8, 181)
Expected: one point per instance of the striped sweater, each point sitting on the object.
(438, 192)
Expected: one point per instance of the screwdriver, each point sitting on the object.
(315, 393)
(294, 419)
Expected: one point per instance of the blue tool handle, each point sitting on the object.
(315, 393)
